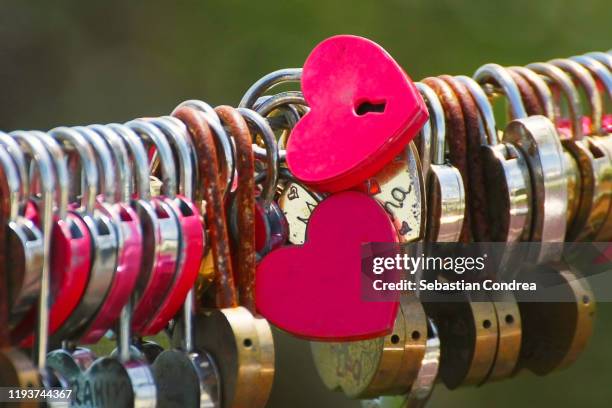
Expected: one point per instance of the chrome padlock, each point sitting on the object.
(572, 173)
(579, 148)
(445, 193)
(101, 230)
(16, 369)
(509, 183)
(24, 244)
(41, 160)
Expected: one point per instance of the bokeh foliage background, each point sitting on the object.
(74, 62)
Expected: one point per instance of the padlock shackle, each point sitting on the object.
(497, 75)
(176, 134)
(221, 138)
(105, 162)
(484, 108)
(20, 164)
(436, 116)
(139, 155)
(267, 82)
(291, 103)
(588, 84)
(44, 165)
(283, 100)
(564, 82)
(71, 139)
(542, 90)
(598, 69)
(263, 128)
(62, 178)
(12, 179)
(604, 58)
(121, 159)
(426, 135)
(272, 102)
(150, 133)
(210, 191)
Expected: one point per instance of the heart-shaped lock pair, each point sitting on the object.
(313, 290)
(364, 109)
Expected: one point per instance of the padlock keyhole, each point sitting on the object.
(364, 107)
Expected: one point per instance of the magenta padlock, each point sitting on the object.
(191, 247)
(115, 203)
(364, 110)
(313, 290)
(159, 277)
(70, 249)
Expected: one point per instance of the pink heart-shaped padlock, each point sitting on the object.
(314, 290)
(364, 109)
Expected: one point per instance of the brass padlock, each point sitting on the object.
(423, 385)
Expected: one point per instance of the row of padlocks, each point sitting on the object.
(209, 225)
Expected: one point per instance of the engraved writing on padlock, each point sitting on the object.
(381, 366)
(297, 203)
(399, 188)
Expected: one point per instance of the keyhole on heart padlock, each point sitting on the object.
(365, 107)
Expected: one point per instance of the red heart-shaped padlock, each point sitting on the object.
(364, 109)
(314, 290)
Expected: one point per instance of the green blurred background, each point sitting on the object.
(74, 62)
